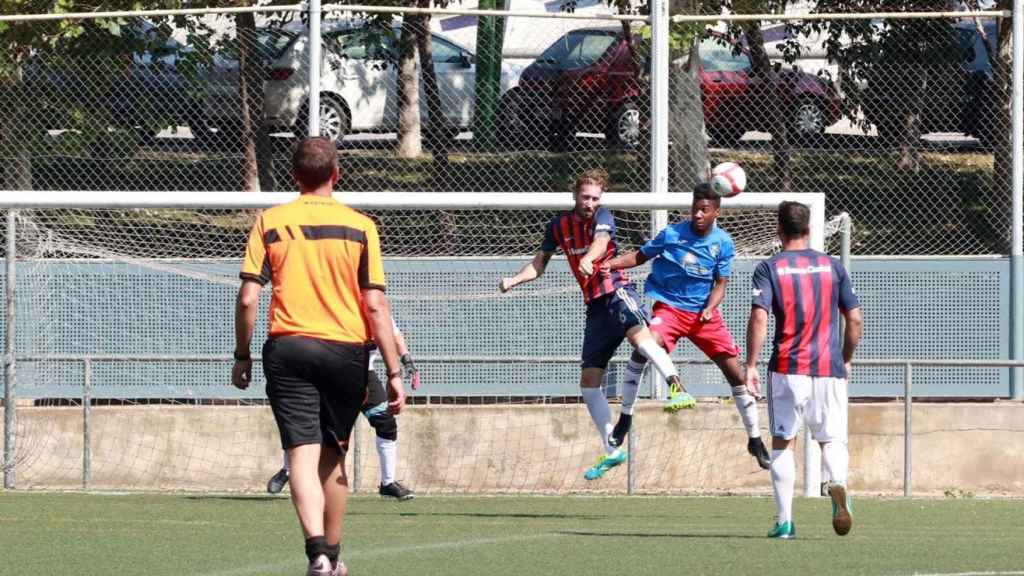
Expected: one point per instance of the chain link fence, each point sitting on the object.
(903, 123)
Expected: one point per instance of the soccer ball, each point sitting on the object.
(728, 179)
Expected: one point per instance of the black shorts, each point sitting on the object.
(316, 389)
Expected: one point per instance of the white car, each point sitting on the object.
(358, 81)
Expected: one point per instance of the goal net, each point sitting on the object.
(123, 332)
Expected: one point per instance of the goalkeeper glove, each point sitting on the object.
(411, 371)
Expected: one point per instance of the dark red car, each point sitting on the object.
(592, 81)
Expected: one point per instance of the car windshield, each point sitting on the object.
(577, 49)
(716, 56)
(270, 44)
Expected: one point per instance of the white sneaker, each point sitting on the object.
(320, 566)
(340, 569)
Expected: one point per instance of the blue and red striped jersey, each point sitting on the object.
(806, 290)
(573, 235)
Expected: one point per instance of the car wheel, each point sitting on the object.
(626, 127)
(334, 119)
(807, 122)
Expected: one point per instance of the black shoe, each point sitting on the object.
(277, 481)
(396, 491)
(618, 435)
(756, 449)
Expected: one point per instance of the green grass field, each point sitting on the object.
(156, 535)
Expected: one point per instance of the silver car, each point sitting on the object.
(358, 82)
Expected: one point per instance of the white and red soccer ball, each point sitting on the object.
(728, 179)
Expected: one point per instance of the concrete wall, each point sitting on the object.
(542, 448)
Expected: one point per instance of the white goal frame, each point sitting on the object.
(42, 200)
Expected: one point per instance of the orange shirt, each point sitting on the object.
(318, 254)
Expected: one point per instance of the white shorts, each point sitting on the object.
(821, 401)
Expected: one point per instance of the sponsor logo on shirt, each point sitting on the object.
(578, 251)
(804, 270)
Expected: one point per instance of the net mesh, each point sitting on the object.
(133, 309)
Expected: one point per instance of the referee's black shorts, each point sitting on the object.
(316, 389)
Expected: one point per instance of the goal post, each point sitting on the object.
(136, 289)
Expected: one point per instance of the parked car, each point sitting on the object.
(591, 81)
(953, 92)
(359, 79)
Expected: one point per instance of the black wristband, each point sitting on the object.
(396, 374)
(242, 357)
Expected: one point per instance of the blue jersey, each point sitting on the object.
(685, 265)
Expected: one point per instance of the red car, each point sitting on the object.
(591, 80)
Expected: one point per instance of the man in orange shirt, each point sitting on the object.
(328, 306)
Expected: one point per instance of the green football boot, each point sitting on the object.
(678, 398)
(783, 531)
(604, 464)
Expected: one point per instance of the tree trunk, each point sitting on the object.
(439, 131)
(998, 200)
(250, 90)
(410, 141)
(910, 129)
(15, 134)
(774, 90)
(688, 156)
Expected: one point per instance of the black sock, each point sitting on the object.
(316, 546)
(333, 551)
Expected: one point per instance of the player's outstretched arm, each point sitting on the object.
(531, 271)
(631, 260)
(757, 327)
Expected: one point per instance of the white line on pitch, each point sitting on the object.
(257, 568)
(1011, 573)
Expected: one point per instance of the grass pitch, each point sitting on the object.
(86, 534)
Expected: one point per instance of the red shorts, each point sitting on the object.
(712, 337)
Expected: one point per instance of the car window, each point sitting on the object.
(272, 42)
(361, 45)
(445, 52)
(718, 57)
(577, 49)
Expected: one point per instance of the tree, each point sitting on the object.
(889, 69)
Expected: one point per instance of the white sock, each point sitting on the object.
(388, 452)
(746, 405)
(836, 459)
(631, 385)
(287, 463)
(657, 355)
(600, 413)
(783, 480)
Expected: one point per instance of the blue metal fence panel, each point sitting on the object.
(929, 308)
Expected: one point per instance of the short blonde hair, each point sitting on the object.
(594, 176)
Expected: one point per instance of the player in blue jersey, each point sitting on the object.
(586, 235)
(807, 291)
(692, 263)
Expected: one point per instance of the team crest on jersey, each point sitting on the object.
(655, 321)
(715, 249)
